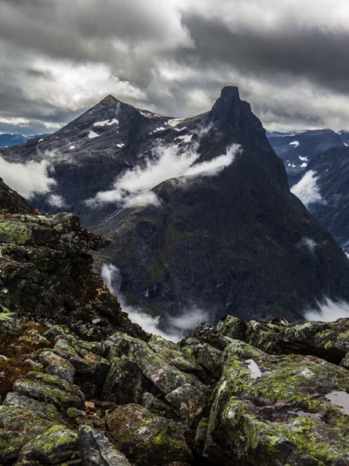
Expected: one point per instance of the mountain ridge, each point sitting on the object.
(198, 210)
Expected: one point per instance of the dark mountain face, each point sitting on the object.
(198, 210)
(319, 161)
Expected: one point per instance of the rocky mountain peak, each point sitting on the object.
(227, 103)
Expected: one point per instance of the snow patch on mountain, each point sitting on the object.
(174, 121)
(92, 135)
(294, 144)
(186, 138)
(307, 189)
(109, 122)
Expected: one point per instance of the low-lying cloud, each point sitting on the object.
(329, 311)
(179, 326)
(134, 186)
(188, 319)
(27, 178)
(112, 278)
(307, 189)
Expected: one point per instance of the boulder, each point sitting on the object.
(55, 446)
(20, 426)
(277, 410)
(96, 450)
(50, 389)
(146, 438)
(125, 383)
(56, 365)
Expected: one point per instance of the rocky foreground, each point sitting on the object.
(81, 385)
(253, 394)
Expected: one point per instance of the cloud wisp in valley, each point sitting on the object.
(307, 189)
(329, 311)
(179, 326)
(134, 187)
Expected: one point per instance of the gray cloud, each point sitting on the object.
(288, 58)
(307, 51)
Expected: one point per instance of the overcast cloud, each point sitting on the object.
(289, 59)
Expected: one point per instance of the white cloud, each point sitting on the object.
(307, 190)
(188, 319)
(309, 243)
(112, 278)
(75, 85)
(329, 311)
(29, 178)
(56, 201)
(134, 186)
(214, 166)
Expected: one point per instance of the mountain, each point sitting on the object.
(297, 148)
(317, 164)
(13, 139)
(198, 210)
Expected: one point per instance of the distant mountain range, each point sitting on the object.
(198, 210)
(317, 164)
(13, 139)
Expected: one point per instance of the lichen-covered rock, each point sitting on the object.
(277, 410)
(9, 324)
(84, 361)
(163, 375)
(189, 402)
(345, 361)
(56, 365)
(96, 450)
(328, 340)
(19, 426)
(172, 353)
(125, 383)
(264, 335)
(146, 438)
(55, 446)
(232, 327)
(205, 355)
(50, 389)
(46, 410)
(46, 274)
(208, 334)
(159, 407)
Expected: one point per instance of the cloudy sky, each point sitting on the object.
(289, 58)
